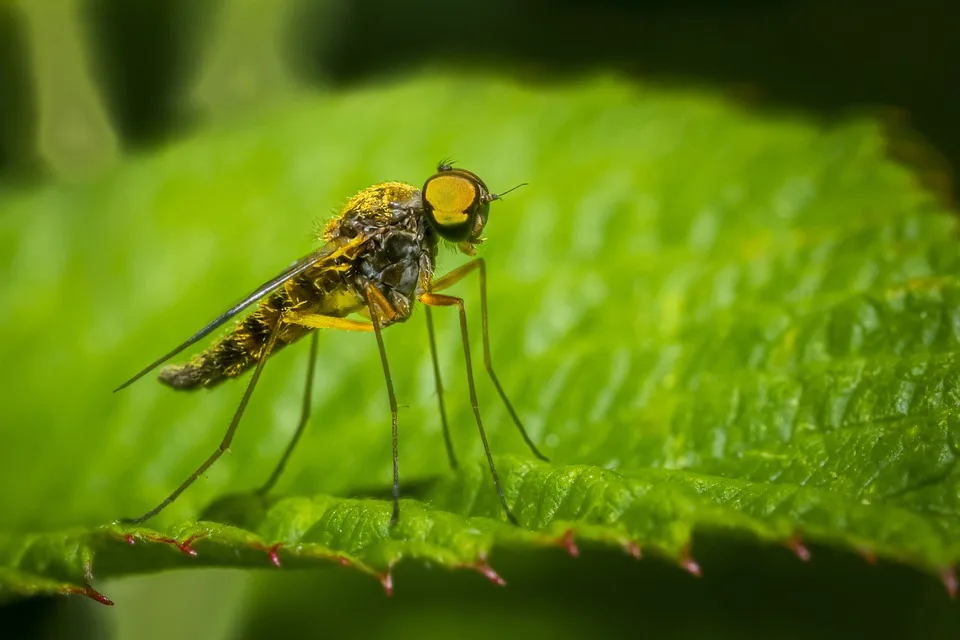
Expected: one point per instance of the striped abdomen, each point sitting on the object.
(240, 349)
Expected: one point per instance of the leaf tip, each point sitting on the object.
(569, 544)
(489, 573)
(89, 592)
(386, 579)
(184, 546)
(688, 564)
(948, 576)
(796, 545)
(273, 553)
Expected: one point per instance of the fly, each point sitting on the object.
(376, 262)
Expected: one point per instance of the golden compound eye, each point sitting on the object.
(451, 199)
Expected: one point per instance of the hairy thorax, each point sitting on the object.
(398, 258)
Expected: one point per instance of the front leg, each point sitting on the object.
(448, 281)
(380, 312)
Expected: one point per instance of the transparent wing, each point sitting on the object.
(318, 257)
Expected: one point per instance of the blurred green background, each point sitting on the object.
(84, 82)
(136, 73)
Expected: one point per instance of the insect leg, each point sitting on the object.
(304, 417)
(439, 300)
(314, 321)
(380, 308)
(318, 321)
(439, 385)
(449, 280)
(227, 438)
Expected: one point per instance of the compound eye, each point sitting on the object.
(451, 200)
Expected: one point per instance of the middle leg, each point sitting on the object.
(313, 321)
(380, 310)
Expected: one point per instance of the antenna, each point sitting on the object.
(497, 196)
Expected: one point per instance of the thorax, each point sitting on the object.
(399, 255)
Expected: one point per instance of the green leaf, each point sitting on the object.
(710, 319)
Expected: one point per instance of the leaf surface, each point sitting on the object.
(708, 318)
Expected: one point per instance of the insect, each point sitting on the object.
(377, 261)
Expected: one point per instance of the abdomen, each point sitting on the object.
(239, 350)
